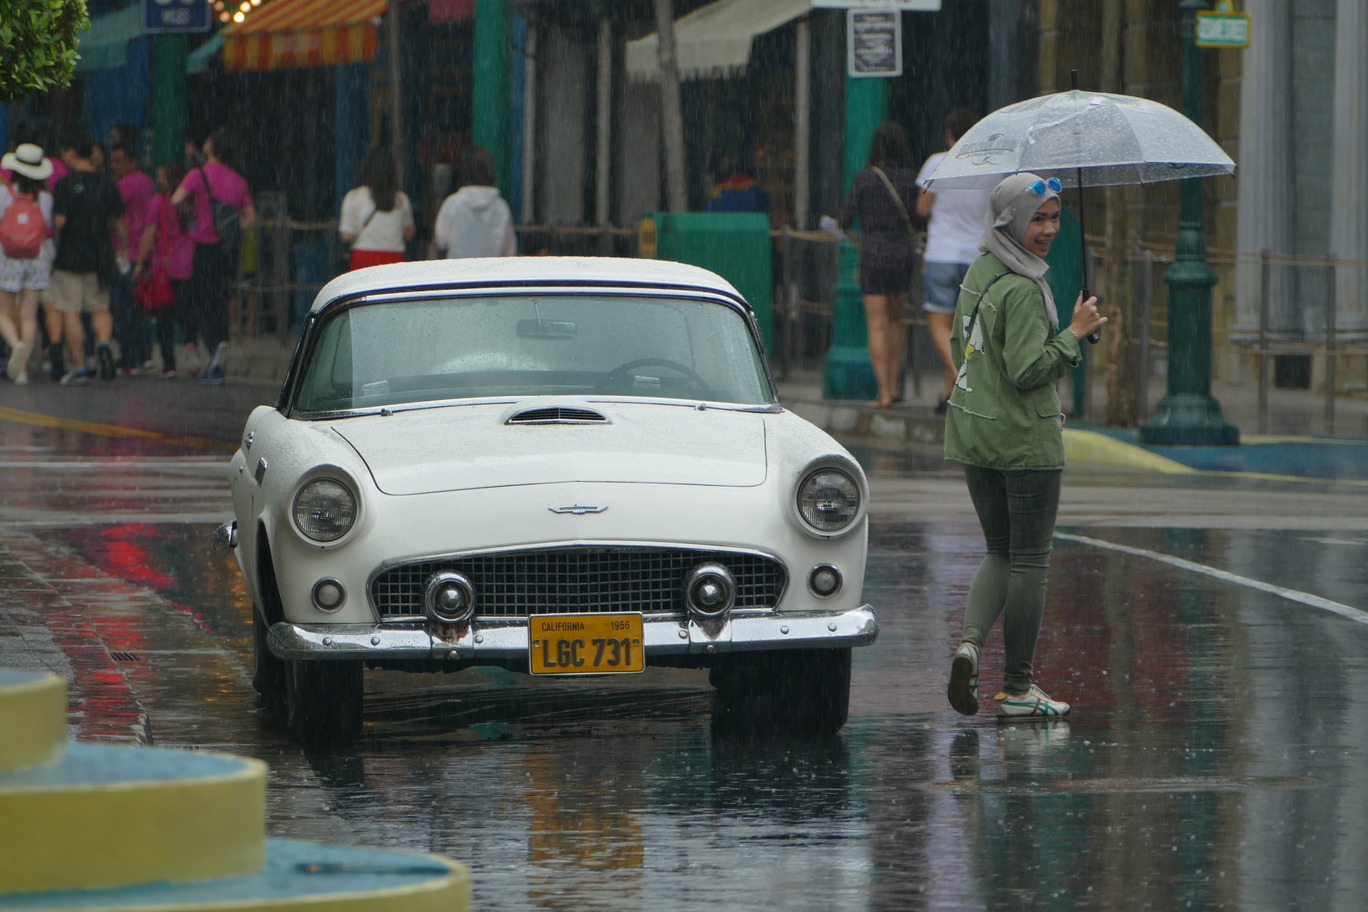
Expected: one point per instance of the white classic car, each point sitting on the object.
(561, 466)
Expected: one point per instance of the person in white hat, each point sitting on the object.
(22, 279)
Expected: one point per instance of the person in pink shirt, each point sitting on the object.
(138, 192)
(215, 263)
(165, 244)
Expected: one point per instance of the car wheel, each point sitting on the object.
(268, 671)
(799, 691)
(323, 699)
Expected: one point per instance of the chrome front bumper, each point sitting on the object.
(499, 640)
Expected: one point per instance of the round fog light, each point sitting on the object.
(449, 598)
(825, 580)
(710, 590)
(328, 595)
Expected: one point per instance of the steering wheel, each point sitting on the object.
(619, 376)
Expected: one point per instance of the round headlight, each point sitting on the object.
(325, 509)
(829, 500)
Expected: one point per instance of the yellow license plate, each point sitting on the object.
(585, 644)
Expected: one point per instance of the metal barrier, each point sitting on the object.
(284, 264)
(273, 291)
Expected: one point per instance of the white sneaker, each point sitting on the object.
(1033, 704)
(17, 365)
(217, 360)
(963, 689)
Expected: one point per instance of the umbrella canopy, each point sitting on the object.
(1110, 139)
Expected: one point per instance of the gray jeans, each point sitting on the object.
(1017, 511)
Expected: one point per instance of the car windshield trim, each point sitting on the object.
(773, 408)
(386, 351)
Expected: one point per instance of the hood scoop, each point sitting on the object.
(557, 415)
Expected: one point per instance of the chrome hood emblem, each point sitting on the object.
(577, 509)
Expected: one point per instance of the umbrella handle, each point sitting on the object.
(1096, 335)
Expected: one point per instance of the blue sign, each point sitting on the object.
(175, 16)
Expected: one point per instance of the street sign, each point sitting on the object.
(1222, 27)
(922, 6)
(874, 42)
(169, 16)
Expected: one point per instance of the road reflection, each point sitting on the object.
(1215, 759)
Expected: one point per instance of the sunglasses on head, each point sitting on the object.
(1039, 187)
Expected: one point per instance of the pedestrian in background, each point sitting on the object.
(24, 278)
(51, 323)
(166, 245)
(1005, 424)
(954, 225)
(737, 189)
(125, 134)
(475, 221)
(882, 197)
(377, 218)
(216, 257)
(137, 191)
(88, 218)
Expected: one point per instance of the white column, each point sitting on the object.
(1265, 165)
(1348, 213)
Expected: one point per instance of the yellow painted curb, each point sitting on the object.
(1090, 446)
(33, 710)
(185, 827)
(449, 893)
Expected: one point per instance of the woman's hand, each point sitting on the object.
(1086, 319)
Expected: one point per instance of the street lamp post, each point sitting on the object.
(847, 372)
(1188, 415)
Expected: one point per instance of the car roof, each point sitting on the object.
(512, 270)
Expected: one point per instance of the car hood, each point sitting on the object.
(493, 445)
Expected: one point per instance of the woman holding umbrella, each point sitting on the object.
(1005, 424)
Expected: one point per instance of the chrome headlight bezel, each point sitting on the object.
(325, 509)
(843, 482)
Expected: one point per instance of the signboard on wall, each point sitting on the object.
(874, 42)
(1222, 27)
(166, 16)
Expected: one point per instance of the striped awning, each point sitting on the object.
(304, 33)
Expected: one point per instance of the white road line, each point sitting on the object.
(1306, 598)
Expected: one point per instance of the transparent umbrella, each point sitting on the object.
(1082, 138)
(1075, 136)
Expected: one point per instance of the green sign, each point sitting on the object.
(1222, 27)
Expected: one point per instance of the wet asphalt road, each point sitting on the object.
(1211, 633)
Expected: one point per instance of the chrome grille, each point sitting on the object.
(578, 580)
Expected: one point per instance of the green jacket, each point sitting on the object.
(1004, 412)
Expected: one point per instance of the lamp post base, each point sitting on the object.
(1189, 419)
(847, 374)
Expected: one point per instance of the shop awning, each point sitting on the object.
(304, 33)
(713, 40)
(106, 44)
(197, 61)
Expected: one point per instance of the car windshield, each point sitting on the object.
(398, 352)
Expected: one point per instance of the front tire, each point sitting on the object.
(268, 671)
(323, 699)
(797, 691)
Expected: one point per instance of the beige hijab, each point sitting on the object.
(1010, 209)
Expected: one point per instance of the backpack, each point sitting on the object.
(227, 224)
(22, 228)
